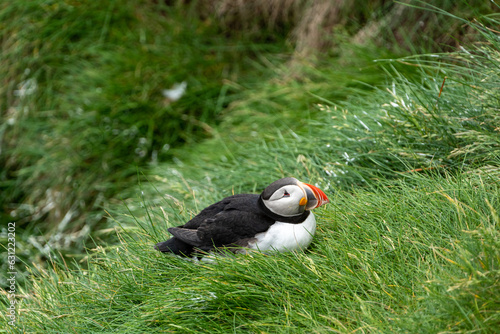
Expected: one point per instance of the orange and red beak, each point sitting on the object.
(315, 196)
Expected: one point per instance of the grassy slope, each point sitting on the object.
(72, 144)
(398, 257)
(395, 251)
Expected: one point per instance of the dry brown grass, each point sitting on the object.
(309, 24)
(315, 25)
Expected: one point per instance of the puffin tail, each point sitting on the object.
(174, 245)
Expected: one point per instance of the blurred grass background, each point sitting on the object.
(382, 104)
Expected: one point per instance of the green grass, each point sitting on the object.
(75, 143)
(392, 258)
(71, 145)
(409, 243)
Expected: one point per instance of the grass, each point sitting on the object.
(392, 258)
(82, 107)
(91, 111)
(409, 242)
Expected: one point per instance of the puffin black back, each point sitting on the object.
(221, 224)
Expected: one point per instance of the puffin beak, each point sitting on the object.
(315, 196)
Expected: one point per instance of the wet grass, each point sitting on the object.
(82, 107)
(409, 243)
(398, 257)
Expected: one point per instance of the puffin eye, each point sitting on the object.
(286, 194)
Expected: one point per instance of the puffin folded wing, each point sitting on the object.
(230, 226)
(186, 235)
(174, 245)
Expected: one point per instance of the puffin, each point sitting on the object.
(277, 220)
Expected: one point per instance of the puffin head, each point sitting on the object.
(289, 197)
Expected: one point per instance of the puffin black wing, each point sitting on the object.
(224, 223)
(230, 226)
(188, 236)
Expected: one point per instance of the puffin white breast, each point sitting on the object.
(285, 237)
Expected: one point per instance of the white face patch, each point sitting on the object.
(286, 201)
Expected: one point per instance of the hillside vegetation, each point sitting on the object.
(407, 147)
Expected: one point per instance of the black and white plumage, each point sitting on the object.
(278, 219)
